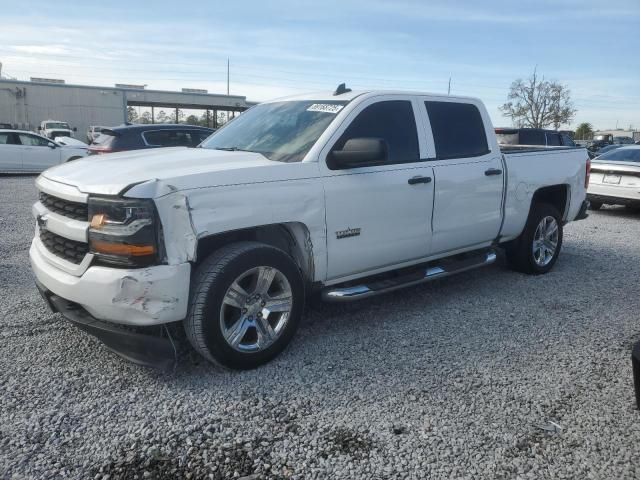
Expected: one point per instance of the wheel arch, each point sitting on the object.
(291, 237)
(555, 195)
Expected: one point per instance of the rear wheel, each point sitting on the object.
(246, 305)
(536, 250)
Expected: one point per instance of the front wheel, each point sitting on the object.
(246, 303)
(536, 250)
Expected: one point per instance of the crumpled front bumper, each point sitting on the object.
(139, 297)
(142, 348)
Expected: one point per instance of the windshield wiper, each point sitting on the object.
(232, 149)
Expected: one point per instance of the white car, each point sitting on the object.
(615, 178)
(348, 194)
(26, 152)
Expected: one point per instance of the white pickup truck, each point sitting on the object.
(342, 193)
(55, 128)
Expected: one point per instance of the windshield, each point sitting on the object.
(622, 155)
(57, 125)
(281, 131)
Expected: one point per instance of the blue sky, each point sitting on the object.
(287, 47)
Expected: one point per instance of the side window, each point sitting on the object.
(567, 141)
(168, 138)
(197, 137)
(391, 120)
(5, 138)
(32, 140)
(532, 137)
(553, 139)
(458, 130)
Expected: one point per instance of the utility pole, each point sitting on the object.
(449, 89)
(227, 75)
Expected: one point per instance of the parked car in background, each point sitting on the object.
(55, 128)
(623, 141)
(27, 152)
(137, 137)
(615, 178)
(533, 136)
(6, 126)
(94, 132)
(608, 148)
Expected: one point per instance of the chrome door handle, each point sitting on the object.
(418, 179)
(493, 171)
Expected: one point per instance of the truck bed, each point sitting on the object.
(507, 149)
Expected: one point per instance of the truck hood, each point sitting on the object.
(168, 170)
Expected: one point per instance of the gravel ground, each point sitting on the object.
(490, 374)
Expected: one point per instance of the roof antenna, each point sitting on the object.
(342, 88)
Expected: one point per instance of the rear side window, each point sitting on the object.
(458, 130)
(392, 121)
(532, 137)
(199, 136)
(567, 141)
(553, 140)
(172, 138)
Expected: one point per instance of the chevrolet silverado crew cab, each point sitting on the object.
(345, 194)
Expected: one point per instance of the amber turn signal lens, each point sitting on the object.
(109, 248)
(97, 221)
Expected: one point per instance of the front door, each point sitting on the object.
(379, 215)
(37, 155)
(469, 177)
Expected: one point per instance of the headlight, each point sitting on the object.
(123, 231)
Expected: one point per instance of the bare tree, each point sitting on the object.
(538, 103)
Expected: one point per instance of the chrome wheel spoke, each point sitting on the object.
(280, 303)
(237, 332)
(236, 296)
(266, 334)
(265, 279)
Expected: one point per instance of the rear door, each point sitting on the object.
(468, 176)
(37, 155)
(10, 152)
(378, 216)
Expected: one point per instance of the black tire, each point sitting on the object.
(520, 252)
(595, 205)
(210, 282)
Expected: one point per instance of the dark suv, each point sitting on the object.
(533, 136)
(136, 137)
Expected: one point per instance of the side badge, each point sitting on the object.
(349, 232)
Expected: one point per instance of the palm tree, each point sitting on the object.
(584, 131)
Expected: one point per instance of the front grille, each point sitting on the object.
(70, 250)
(74, 210)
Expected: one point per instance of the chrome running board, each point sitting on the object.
(446, 267)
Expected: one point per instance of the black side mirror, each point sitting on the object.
(51, 145)
(359, 152)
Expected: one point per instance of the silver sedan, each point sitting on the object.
(615, 178)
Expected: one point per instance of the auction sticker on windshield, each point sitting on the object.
(325, 107)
